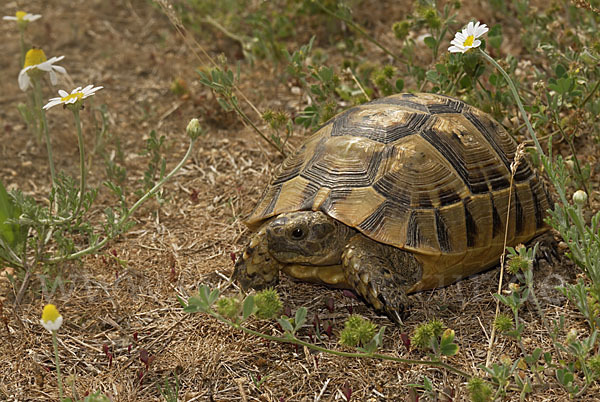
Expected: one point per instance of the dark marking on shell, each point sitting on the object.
(325, 174)
(291, 166)
(442, 233)
(471, 225)
(416, 122)
(496, 220)
(388, 187)
(424, 201)
(520, 218)
(448, 196)
(308, 196)
(400, 102)
(274, 193)
(375, 221)
(474, 180)
(449, 106)
(539, 210)
(337, 195)
(497, 179)
(488, 131)
(413, 235)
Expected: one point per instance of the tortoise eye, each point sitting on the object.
(297, 233)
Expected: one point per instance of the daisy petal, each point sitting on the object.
(60, 69)
(53, 78)
(24, 80)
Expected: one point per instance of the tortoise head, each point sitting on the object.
(306, 238)
(295, 239)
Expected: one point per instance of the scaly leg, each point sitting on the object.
(381, 274)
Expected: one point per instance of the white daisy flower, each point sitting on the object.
(76, 95)
(35, 61)
(51, 318)
(467, 39)
(22, 17)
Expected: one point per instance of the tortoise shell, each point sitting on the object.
(425, 173)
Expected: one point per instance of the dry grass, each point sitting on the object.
(130, 48)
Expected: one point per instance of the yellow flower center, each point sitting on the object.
(469, 41)
(20, 15)
(34, 57)
(50, 313)
(77, 95)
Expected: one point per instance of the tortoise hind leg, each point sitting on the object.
(381, 274)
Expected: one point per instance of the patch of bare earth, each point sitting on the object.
(123, 301)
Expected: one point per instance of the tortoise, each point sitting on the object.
(402, 194)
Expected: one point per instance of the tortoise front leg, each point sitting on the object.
(255, 268)
(381, 274)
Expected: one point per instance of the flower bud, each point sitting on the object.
(580, 197)
(571, 336)
(570, 164)
(194, 130)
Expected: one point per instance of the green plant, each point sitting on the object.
(157, 164)
(357, 330)
(222, 82)
(169, 392)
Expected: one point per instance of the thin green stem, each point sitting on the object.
(522, 347)
(515, 94)
(592, 92)
(82, 174)
(292, 339)
(82, 170)
(129, 212)
(546, 162)
(37, 92)
(57, 361)
(256, 129)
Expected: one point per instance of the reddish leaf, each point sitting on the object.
(329, 331)
(330, 305)
(405, 340)
(316, 321)
(350, 294)
(347, 391)
(145, 358)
